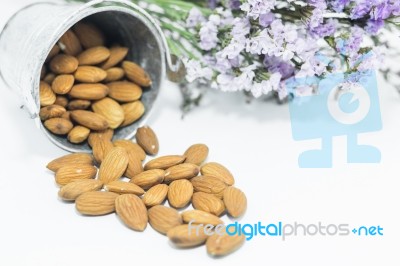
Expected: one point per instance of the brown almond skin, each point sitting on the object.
(209, 184)
(208, 203)
(180, 193)
(70, 159)
(51, 111)
(149, 178)
(148, 140)
(135, 166)
(76, 188)
(131, 147)
(97, 135)
(235, 201)
(61, 101)
(133, 112)
(110, 110)
(132, 211)
(64, 64)
(163, 218)
(70, 173)
(62, 84)
(196, 154)
(122, 187)
(89, 119)
(70, 44)
(90, 74)
(66, 115)
(124, 91)
(181, 171)
(58, 126)
(114, 74)
(219, 171)
(164, 162)
(89, 35)
(156, 195)
(136, 74)
(200, 217)
(49, 78)
(79, 105)
(101, 148)
(117, 54)
(53, 52)
(113, 165)
(184, 236)
(96, 203)
(46, 94)
(78, 134)
(96, 91)
(93, 56)
(222, 245)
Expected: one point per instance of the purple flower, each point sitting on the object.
(374, 26)
(235, 4)
(208, 36)
(255, 8)
(323, 30)
(382, 10)
(361, 8)
(266, 19)
(351, 45)
(194, 18)
(317, 3)
(339, 5)
(276, 65)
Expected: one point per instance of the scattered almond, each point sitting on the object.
(184, 236)
(149, 178)
(101, 148)
(122, 187)
(221, 245)
(163, 218)
(96, 203)
(209, 184)
(78, 134)
(180, 193)
(74, 189)
(113, 165)
(181, 171)
(70, 173)
(208, 203)
(235, 201)
(147, 139)
(156, 195)
(110, 110)
(132, 112)
(131, 147)
(132, 211)
(196, 154)
(70, 159)
(164, 162)
(219, 171)
(201, 217)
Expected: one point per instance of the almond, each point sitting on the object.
(122, 187)
(70, 44)
(117, 54)
(49, 78)
(136, 74)
(74, 189)
(132, 111)
(147, 139)
(93, 56)
(223, 244)
(162, 218)
(113, 165)
(62, 84)
(135, 166)
(132, 211)
(185, 236)
(70, 173)
(70, 159)
(53, 52)
(114, 74)
(155, 195)
(181, 171)
(64, 64)
(89, 119)
(94, 91)
(96, 203)
(78, 134)
(90, 74)
(97, 135)
(131, 147)
(209, 184)
(219, 171)
(235, 201)
(124, 91)
(58, 126)
(179, 193)
(66, 115)
(101, 148)
(200, 217)
(164, 162)
(46, 94)
(79, 105)
(196, 154)
(61, 101)
(110, 110)
(149, 178)
(208, 203)
(89, 35)
(51, 111)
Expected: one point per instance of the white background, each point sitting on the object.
(254, 141)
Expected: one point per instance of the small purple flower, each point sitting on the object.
(208, 36)
(323, 30)
(255, 8)
(266, 19)
(276, 65)
(351, 45)
(361, 8)
(339, 5)
(235, 4)
(382, 10)
(321, 4)
(194, 18)
(374, 26)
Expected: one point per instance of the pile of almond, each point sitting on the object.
(87, 87)
(117, 179)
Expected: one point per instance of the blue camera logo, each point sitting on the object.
(331, 111)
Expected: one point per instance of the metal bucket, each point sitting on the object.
(29, 35)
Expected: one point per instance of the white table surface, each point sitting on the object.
(254, 141)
